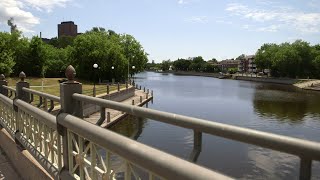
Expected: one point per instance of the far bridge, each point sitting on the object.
(65, 140)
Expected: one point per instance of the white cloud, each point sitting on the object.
(20, 11)
(305, 22)
(272, 28)
(46, 5)
(25, 20)
(198, 19)
(182, 2)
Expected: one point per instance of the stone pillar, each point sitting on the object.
(21, 84)
(118, 87)
(3, 82)
(67, 89)
(70, 106)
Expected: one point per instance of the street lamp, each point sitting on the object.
(112, 67)
(95, 67)
(128, 68)
(133, 67)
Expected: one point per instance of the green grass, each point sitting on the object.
(54, 86)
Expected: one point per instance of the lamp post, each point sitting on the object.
(112, 80)
(95, 67)
(129, 68)
(133, 67)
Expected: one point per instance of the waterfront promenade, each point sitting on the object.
(139, 99)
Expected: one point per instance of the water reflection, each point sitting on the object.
(130, 127)
(284, 103)
(272, 108)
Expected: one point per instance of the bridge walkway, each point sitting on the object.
(6, 169)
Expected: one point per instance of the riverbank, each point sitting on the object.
(306, 84)
(267, 80)
(189, 73)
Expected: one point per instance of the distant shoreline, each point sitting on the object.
(302, 84)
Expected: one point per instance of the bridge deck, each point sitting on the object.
(117, 115)
(6, 169)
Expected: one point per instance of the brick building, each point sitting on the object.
(67, 28)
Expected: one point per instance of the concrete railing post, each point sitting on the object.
(108, 89)
(21, 84)
(70, 106)
(132, 101)
(140, 99)
(22, 95)
(108, 117)
(127, 85)
(3, 82)
(118, 87)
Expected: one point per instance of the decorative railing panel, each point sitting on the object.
(7, 114)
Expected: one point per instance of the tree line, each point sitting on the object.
(197, 64)
(297, 59)
(103, 47)
(293, 60)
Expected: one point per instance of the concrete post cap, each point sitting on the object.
(70, 73)
(22, 76)
(2, 77)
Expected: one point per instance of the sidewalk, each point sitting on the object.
(116, 115)
(6, 169)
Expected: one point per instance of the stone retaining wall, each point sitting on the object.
(267, 80)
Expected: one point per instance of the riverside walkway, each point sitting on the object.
(113, 116)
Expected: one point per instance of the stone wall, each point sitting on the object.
(267, 80)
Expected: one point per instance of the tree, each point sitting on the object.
(165, 65)
(134, 53)
(36, 58)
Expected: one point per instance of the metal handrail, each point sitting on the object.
(303, 148)
(45, 95)
(156, 161)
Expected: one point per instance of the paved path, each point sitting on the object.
(6, 169)
(116, 115)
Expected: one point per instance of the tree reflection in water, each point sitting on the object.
(285, 103)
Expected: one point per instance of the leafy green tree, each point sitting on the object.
(101, 48)
(62, 42)
(6, 54)
(134, 53)
(165, 65)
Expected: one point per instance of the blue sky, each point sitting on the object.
(171, 29)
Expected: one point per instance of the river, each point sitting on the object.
(274, 108)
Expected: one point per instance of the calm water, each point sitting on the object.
(272, 108)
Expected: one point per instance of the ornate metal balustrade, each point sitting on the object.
(69, 147)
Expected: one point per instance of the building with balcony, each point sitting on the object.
(247, 65)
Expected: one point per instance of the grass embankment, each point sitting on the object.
(52, 86)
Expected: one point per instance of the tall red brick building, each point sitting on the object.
(67, 28)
